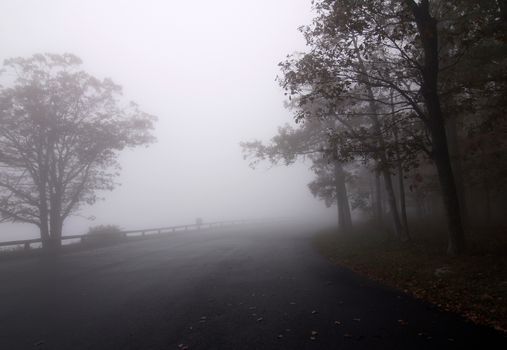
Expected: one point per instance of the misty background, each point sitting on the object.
(207, 70)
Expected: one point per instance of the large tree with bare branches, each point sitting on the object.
(60, 133)
(406, 61)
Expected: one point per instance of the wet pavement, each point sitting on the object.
(235, 288)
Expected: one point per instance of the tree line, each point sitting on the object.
(396, 102)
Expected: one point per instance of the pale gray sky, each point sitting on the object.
(207, 69)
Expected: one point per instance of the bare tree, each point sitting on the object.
(60, 133)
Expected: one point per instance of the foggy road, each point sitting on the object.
(237, 288)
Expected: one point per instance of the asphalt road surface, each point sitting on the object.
(242, 288)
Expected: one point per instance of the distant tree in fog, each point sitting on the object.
(60, 133)
(310, 140)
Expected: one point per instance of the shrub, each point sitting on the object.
(104, 233)
(109, 230)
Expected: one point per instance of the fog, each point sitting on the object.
(156, 191)
(207, 70)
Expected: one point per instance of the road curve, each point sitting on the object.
(236, 288)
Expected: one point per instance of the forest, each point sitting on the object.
(400, 108)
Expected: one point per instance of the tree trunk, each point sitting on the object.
(42, 186)
(391, 200)
(371, 195)
(56, 232)
(342, 200)
(44, 233)
(386, 174)
(456, 243)
(401, 185)
(55, 195)
(455, 155)
(403, 202)
(427, 27)
(44, 214)
(56, 221)
(51, 243)
(379, 212)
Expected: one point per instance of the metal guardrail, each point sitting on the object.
(26, 243)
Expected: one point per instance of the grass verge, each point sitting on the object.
(473, 285)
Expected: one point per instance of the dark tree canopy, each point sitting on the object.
(413, 89)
